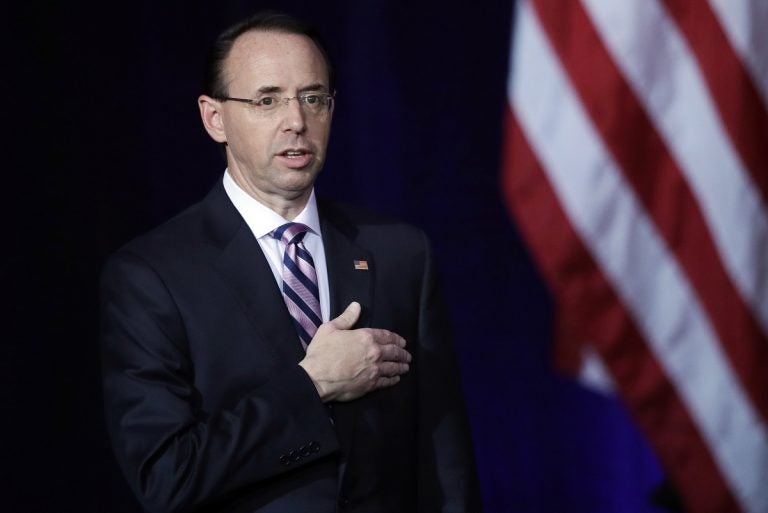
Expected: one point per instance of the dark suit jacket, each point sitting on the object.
(208, 409)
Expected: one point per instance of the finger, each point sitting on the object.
(347, 318)
(387, 337)
(394, 353)
(392, 369)
(385, 382)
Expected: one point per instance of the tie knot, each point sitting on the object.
(290, 233)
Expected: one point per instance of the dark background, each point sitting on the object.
(103, 141)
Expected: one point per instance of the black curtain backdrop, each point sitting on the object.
(103, 142)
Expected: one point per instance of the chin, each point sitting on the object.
(297, 187)
(300, 178)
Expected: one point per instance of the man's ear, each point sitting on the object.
(210, 112)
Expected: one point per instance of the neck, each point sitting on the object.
(287, 204)
(287, 208)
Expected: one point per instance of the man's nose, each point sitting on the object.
(294, 117)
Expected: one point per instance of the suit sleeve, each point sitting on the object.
(176, 456)
(447, 473)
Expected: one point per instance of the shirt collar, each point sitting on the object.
(262, 219)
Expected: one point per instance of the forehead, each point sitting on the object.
(277, 59)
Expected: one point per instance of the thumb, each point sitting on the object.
(348, 317)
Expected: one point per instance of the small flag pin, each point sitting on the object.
(361, 265)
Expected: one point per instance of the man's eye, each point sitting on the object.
(267, 101)
(311, 99)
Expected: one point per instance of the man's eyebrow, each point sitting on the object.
(317, 86)
(269, 89)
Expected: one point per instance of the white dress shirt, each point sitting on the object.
(262, 220)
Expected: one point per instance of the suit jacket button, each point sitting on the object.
(343, 501)
(305, 450)
(285, 460)
(314, 446)
(294, 455)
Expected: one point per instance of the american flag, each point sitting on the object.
(636, 166)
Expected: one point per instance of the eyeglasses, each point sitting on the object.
(315, 104)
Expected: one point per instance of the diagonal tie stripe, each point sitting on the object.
(300, 290)
(303, 269)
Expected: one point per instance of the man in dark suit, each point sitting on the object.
(268, 352)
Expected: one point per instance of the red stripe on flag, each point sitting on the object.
(589, 309)
(735, 94)
(649, 167)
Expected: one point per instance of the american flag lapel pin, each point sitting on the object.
(361, 265)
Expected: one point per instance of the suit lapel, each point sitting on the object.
(242, 265)
(346, 282)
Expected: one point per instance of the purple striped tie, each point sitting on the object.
(299, 281)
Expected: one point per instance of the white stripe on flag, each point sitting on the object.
(594, 373)
(656, 60)
(624, 242)
(745, 23)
